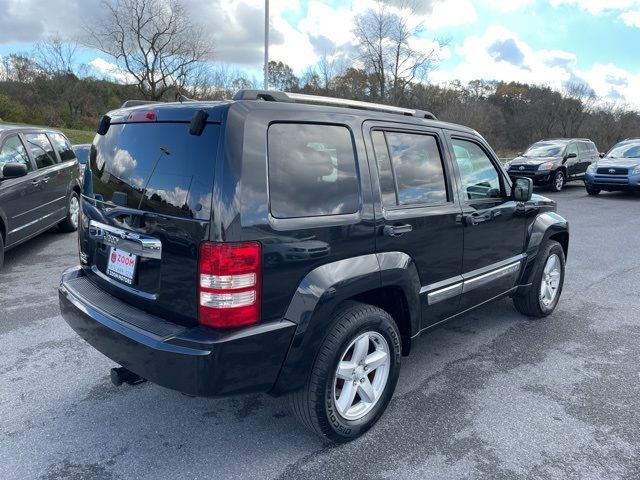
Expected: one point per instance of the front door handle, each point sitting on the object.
(397, 230)
(473, 219)
(35, 183)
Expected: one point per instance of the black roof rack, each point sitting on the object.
(278, 96)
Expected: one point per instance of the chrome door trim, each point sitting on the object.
(132, 242)
(445, 293)
(482, 280)
(460, 284)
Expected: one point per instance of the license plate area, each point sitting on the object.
(121, 265)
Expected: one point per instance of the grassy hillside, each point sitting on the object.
(74, 136)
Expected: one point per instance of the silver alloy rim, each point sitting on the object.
(361, 375)
(559, 181)
(550, 280)
(74, 209)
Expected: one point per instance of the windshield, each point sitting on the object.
(545, 149)
(625, 150)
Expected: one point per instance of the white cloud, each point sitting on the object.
(109, 70)
(509, 5)
(632, 19)
(597, 7)
(499, 54)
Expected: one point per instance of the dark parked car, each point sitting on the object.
(38, 184)
(618, 170)
(82, 153)
(553, 163)
(323, 241)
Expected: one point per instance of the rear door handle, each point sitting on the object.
(45, 179)
(397, 230)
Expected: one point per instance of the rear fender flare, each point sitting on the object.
(323, 289)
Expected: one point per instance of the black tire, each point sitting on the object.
(314, 405)
(558, 181)
(529, 302)
(1, 251)
(592, 191)
(69, 224)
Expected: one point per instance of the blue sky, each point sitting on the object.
(538, 41)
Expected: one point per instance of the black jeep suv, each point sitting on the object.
(39, 184)
(553, 163)
(297, 245)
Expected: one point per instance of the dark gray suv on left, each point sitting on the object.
(39, 184)
(553, 163)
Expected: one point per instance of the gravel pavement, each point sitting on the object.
(489, 395)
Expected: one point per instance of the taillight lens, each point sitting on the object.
(229, 277)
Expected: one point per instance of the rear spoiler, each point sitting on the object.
(135, 103)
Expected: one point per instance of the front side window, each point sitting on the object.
(63, 147)
(13, 151)
(41, 149)
(312, 170)
(479, 176)
(411, 170)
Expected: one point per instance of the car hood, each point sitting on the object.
(618, 162)
(534, 161)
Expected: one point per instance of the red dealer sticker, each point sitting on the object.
(122, 266)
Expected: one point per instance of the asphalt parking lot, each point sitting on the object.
(490, 395)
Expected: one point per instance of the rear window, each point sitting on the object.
(157, 167)
(312, 170)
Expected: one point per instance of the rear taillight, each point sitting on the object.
(229, 277)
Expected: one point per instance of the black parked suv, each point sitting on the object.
(39, 185)
(298, 246)
(553, 163)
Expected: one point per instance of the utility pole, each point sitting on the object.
(266, 44)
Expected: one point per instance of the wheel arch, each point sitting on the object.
(546, 226)
(387, 280)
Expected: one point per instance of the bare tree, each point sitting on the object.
(56, 56)
(153, 41)
(385, 35)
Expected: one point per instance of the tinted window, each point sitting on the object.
(572, 148)
(545, 149)
(584, 148)
(479, 177)
(157, 167)
(62, 146)
(13, 151)
(312, 170)
(385, 174)
(82, 153)
(417, 167)
(41, 149)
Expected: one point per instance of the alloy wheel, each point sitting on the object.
(550, 282)
(361, 375)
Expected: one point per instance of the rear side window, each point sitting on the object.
(157, 167)
(312, 170)
(63, 147)
(41, 149)
(410, 169)
(13, 151)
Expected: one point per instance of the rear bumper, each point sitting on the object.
(197, 361)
